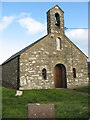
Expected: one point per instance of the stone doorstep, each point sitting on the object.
(59, 88)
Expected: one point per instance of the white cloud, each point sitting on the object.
(78, 35)
(24, 14)
(6, 21)
(31, 25)
(80, 38)
(26, 21)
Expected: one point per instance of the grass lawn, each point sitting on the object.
(68, 104)
(83, 89)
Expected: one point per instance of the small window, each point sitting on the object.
(58, 43)
(57, 20)
(44, 74)
(74, 72)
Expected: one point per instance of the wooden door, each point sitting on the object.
(58, 77)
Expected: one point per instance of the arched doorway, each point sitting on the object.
(60, 76)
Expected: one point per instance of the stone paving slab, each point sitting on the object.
(41, 111)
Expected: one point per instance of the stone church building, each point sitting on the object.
(53, 61)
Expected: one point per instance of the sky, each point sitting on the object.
(22, 23)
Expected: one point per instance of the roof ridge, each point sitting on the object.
(22, 50)
(76, 46)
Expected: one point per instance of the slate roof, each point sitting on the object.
(21, 51)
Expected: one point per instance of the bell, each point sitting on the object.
(57, 23)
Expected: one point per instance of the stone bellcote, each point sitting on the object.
(55, 20)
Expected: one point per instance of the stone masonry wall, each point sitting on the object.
(9, 73)
(44, 55)
(78, 61)
(51, 27)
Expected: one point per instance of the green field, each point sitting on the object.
(83, 89)
(68, 104)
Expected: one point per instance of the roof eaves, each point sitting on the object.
(75, 45)
(21, 51)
